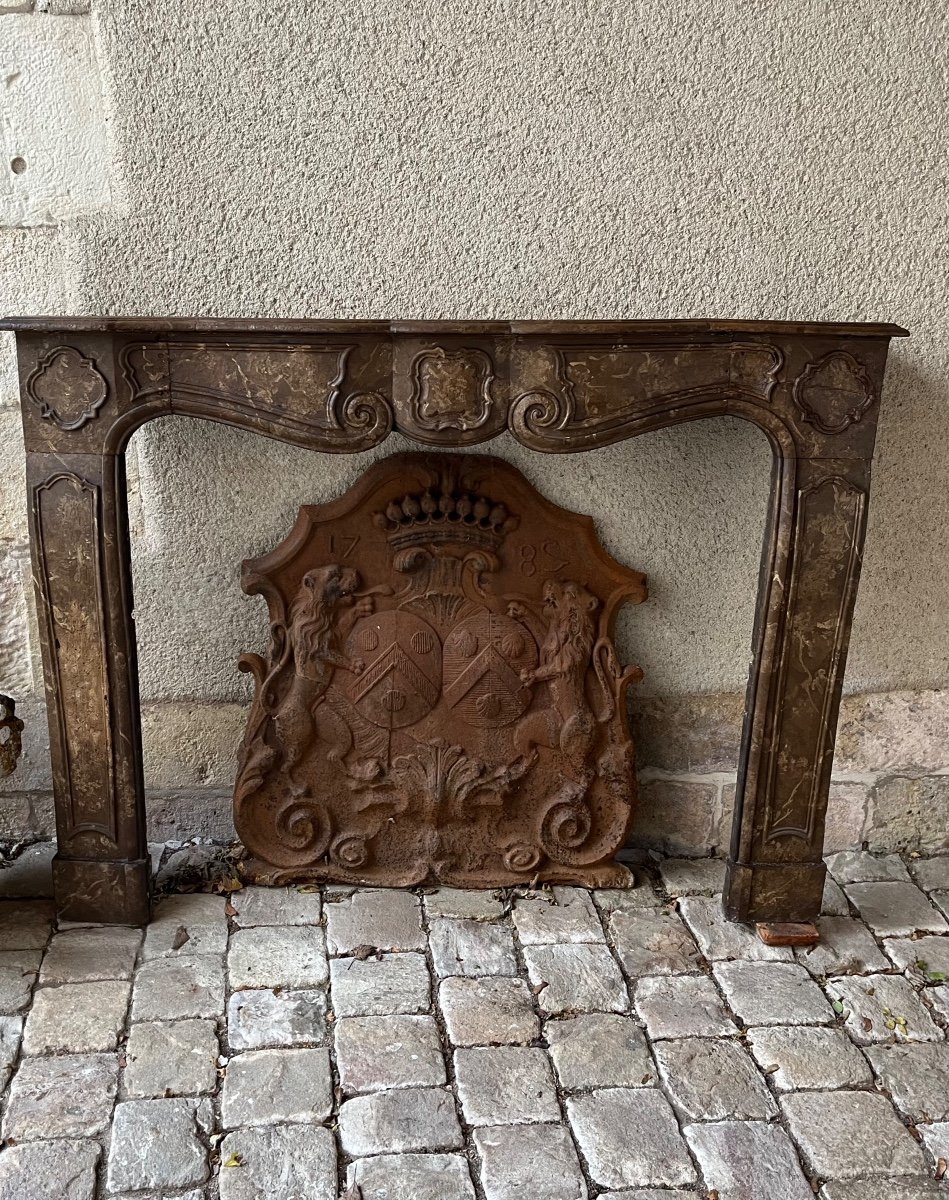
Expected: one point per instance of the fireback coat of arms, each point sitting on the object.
(442, 701)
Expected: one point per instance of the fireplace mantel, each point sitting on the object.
(342, 386)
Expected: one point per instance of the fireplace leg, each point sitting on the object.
(810, 567)
(82, 574)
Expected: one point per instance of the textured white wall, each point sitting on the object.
(756, 159)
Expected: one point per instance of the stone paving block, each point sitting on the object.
(30, 875)
(539, 1161)
(376, 1053)
(602, 1123)
(269, 1087)
(459, 903)
(859, 866)
(941, 900)
(93, 953)
(472, 948)
(649, 1194)
(570, 916)
(693, 876)
(772, 994)
(896, 909)
(385, 918)
(846, 947)
(394, 983)
(932, 874)
(11, 1033)
(721, 939)
(170, 989)
(936, 1140)
(25, 925)
(258, 1019)
(939, 999)
(155, 1144)
(599, 1050)
(851, 1135)
(277, 906)
(916, 1076)
(171, 1058)
(682, 1006)
(611, 900)
(18, 971)
(415, 1176)
(497, 1010)
(40, 1170)
(577, 978)
(301, 1158)
(748, 1160)
(69, 1095)
(871, 1004)
(505, 1085)
(809, 1057)
(187, 924)
(884, 1189)
(77, 1017)
(834, 902)
(713, 1080)
(653, 942)
(291, 957)
(925, 959)
(410, 1119)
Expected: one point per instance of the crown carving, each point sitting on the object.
(446, 514)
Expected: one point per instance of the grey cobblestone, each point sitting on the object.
(772, 994)
(257, 1019)
(682, 1006)
(376, 1053)
(472, 948)
(265, 1087)
(492, 1011)
(70, 1095)
(505, 1085)
(859, 866)
(573, 978)
(387, 920)
(883, 1008)
(538, 1161)
(86, 955)
(653, 942)
(896, 909)
(657, 1155)
(413, 1176)
(77, 1017)
(301, 1157)
(177, 1058)
(377, 1012)
(570, 917)
(61, 1169)
(599, 1050)
(851, 1135)
(713, 1080)
(378, 987)
(932, 874)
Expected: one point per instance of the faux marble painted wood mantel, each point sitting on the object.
(343, 386)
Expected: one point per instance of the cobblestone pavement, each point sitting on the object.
(307, 1044)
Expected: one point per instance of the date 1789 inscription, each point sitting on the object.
(442, 701)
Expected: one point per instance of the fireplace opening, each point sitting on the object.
(685, 505)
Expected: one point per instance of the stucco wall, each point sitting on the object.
(752, 159)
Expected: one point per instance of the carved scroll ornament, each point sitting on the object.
(442, 699)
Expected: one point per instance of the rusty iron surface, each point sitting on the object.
(442, 702)
(86, 384)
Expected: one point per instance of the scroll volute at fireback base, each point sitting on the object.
(442, 701)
